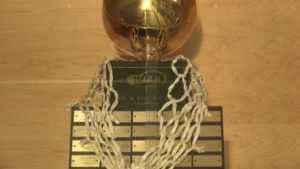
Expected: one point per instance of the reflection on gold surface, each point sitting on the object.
(149, 29)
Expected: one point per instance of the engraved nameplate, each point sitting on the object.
(210, 131)
(79, 131)
(85, 161)
(145, 116)
(187, 162)
(210, 145)
(121, 131)
(145, 131)
(90, 161)
(169, 114)
(143, 145)
(125, 146)
(199, 161)
(206, 131)
(121, 116)
(207, 160)
(188, 144)
(215, 116)
(79, 116)
(76, 147)
(126, 159)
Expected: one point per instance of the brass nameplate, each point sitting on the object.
(76, 147)
(122, 116)
(188, 144)
(187, 162)
(79, 116)
(169, 114)
(143, 145)
(126, 159)
(121, 131)
(85, 161)
(79, 131)
(208, 161)
(210, 131)
(90, 161)
(215, 116)
(125, 146)
(210, 145)
(153, 130)
(146, 131)
(145, 116)
(207, 131)
(136, 159)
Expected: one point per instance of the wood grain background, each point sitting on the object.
(247, 50)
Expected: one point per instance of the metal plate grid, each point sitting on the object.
(138, 132)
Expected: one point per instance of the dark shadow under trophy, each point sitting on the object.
(147, 109)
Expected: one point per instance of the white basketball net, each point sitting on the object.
(98, 108)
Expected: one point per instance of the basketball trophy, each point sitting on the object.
(147, 109)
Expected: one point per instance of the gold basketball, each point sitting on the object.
(149, 29)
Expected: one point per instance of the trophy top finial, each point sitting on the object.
(149, 29)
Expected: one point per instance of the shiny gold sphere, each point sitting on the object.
(149, 29)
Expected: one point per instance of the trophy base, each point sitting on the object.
(142, 88)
